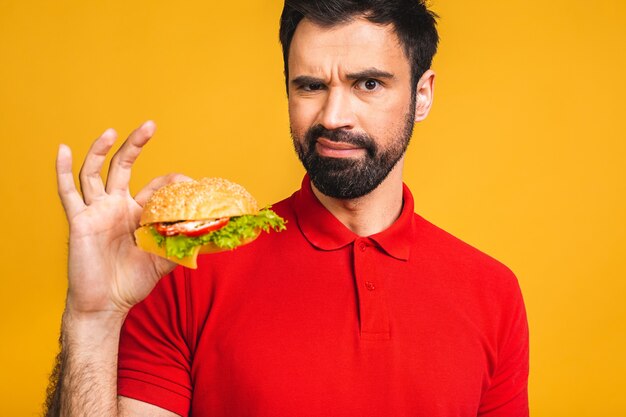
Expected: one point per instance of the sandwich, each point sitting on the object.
(184, 219)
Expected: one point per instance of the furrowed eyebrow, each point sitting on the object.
(306, 79)
(370, 73)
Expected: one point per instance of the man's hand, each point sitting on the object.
(107, 275)
(107, 272)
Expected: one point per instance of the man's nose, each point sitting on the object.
(337, 112)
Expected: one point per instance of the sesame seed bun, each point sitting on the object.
(204, 199)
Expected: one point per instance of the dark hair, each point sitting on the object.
(414, 24)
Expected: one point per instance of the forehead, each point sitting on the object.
(353, 46)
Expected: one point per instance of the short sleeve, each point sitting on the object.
(507, 395)
(154, 357)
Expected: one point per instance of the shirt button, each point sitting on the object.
(370, 285)
(362, 246)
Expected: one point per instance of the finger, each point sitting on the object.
(90, 179)
(70, 198)
(142, 196)
(122, 162)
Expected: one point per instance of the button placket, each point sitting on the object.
(373, 311)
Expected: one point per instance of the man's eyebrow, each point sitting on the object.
(306, 79)
(370, 73)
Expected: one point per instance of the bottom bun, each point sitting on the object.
(145, 241)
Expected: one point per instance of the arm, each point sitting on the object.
(508, 393)
(107, 275)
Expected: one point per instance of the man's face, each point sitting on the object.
(350, 104)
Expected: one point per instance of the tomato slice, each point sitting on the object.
(191, 228)
(202, 227)
(166, 229)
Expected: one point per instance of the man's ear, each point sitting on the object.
(424, 95)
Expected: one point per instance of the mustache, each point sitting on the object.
(341, 135)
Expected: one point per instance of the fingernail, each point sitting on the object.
(110, 131)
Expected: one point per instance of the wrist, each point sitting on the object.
(97, 329)
(102, 316)
(95, 310)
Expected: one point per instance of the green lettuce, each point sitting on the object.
(228, 237)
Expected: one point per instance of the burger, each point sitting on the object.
(184, 219)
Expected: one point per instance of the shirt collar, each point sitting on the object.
(325, 232)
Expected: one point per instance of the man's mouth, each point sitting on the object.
(328, 148)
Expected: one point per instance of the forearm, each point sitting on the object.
(87, 368)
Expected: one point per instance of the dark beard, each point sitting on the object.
(348, 178)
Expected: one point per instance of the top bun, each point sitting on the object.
(207, 198)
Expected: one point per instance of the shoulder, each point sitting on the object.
(458, 261)
(471, 283)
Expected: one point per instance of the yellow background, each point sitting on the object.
(523, 156)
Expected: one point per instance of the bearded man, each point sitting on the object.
(364, 307)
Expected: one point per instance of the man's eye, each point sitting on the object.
(313, 87)
(369, 85)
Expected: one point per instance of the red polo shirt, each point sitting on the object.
(317, 321)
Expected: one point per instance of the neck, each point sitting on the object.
(372, 213)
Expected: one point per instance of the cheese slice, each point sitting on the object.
(145, 241)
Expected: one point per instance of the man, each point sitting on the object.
(361, 308)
